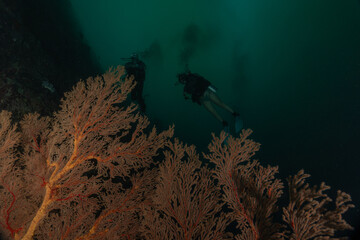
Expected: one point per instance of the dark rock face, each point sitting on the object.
(42, 55)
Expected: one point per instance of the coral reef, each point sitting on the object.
(95, 170)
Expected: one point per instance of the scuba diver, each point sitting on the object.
(203, 93)
(135, 67)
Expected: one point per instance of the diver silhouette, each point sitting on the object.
(135, 67)
(202, 92)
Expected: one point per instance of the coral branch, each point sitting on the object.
(8, 212)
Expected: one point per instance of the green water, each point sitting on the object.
(290, 68)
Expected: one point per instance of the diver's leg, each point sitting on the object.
(140, 95)
(135, 92)
(208, 105)
(215, 99)
(142, 104)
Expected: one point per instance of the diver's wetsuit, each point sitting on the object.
(195, 85)
(137, 68)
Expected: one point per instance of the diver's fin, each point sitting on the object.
(239, 124)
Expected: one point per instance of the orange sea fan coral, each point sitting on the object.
(63, 169)
(95, 170)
